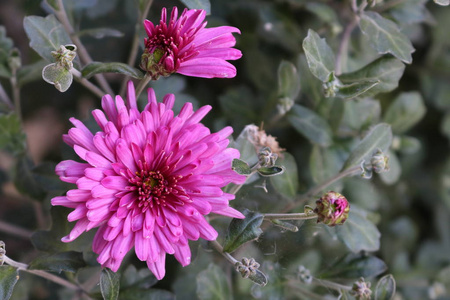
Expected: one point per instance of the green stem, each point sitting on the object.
(43, 274)
(15, 230)
(331, 285)
(86, 83)
(135, 43)
(5, 98)
(227, 255)
(341, 56)
(16, 94)
(84, 54)
(142, 84)
(296, 216)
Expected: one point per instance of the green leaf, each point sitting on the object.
(408, 145)
(212, 284)
(395, 170)
(361, 115)
(8, 279)
(380, 136)
(242, 231)
(113, 67)
(259, 278)
(319, 55)
(385, 37)
(355, 89)
(12, 137)
(109, 284)
(442, 2)
(198, 4)
(25, 180)
(406, 110)
(6, 45)
(286, 183)
(271, 171)
(241, 167)
(133, 278)
(46, 35)
(324, 163)
(387, 70)
(59, 76)
(69, 261)
(355, 266)
(411, 12)
(358, 233)
(288, 80)
(311, 125)
(100, 33)
(385, 289)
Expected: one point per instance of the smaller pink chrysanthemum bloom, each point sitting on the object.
(183, 45)
(147, 180)
(332, 209)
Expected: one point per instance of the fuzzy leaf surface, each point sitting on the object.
(212, 284)
(113, 67)
(109, 284)
(319, 55)
(8, 279)
(385, 289)
(242, 231)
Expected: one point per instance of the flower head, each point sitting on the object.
(183, 45)
(147, 180)
(332, 209)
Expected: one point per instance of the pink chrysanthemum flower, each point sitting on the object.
(147, 181)
(185, 46)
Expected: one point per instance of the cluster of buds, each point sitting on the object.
(304, 275)
(151, 63)
(266, 157)
(361, 289)
(379, 163)
(331, 86)
(247, 267)
(65, 55)
(332, 209)
(284, 105)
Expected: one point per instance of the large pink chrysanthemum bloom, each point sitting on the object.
(185, 46)
(147, 181)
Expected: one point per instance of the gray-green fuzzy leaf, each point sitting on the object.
(241, 167)
(358, 233)
(385, 289)
(442, 2)
(113, 67)
(271, 171)
(395, 169)
(212, 284)
(319, 55)
(355, 89)
(406, 110)
(12, 137)
(69, 261)
(385, 37)
(242, 231)
(46, 35)
(8, 279)
(57, 75)
(380, 136)
(387, 70)
(109, 284)
(198, 4)
(311, 125)
(356, 266)
(286, 183)
(288, 80)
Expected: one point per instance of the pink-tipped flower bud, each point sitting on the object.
(361, 290)
(332, 209)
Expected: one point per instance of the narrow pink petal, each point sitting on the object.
(63, 201)
(158, 267)
(77, 230)
(131, 95)
(183, 254)
(141, 247)
(115, 182)
(230, 212)
(207, 68)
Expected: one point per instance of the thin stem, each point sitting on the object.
(84, 55)
(235, 188)
(86, 83)
(43, 274)
(342, 54)
(135, 43)
(16, 94)
(227, 255)
(296, 216)
(5, 98)
(15, 230)
(331, 285)
(142, 84)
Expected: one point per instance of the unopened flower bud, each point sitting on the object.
(247, 267)
(266, 157)
(14, 60)
(331, 86)
(152, 64)
(361, 289)
(65, 55)
(284, 105)
(379, 162)
(304, 275)
(332, 209)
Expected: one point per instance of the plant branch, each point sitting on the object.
(142, 84)
(15, 230)
(86, 83)
(5, 98)
(135, 43)
(296, 216)
(227, 255)
(84, 55)
(331, 285)
(342, 54)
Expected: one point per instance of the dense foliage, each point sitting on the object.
(345, 96)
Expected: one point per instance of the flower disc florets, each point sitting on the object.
(147, 180)
(332, 209)
(183, 45)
